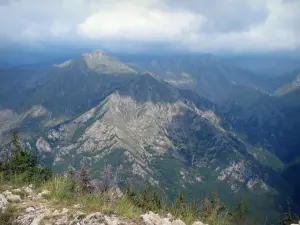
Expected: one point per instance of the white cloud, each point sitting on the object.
(199, 25)
(139, 23)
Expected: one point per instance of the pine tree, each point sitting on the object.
(23, 164)
(85, 182)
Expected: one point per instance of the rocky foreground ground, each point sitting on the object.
(34, 208)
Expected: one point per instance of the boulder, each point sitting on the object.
(13, 198)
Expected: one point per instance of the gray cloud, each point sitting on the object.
(226, 16)
(198, 25)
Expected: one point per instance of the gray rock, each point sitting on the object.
(30, 209)
(13, 198)
(37, 220)
(43, 194)
(199, 223)
(28, 190)
(16, 190)
(3, 203)
(178, 222)
(150, 218)
(6, 193)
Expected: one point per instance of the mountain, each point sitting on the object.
(32, 100)
(149, 130)
(193, 124)
(289, 83)
(205, 74)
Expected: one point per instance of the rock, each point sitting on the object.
(55, 213)
(30, 186)
(13, 198)
(3, 203)
(150, 218)
(169, 215)
(178, 222)
(37, 220)
(30, 209)
(116, 192)
(6, 193)
(64, 211)
(44, 194)
(16, 190)
(94, 218)
(76, 206)
(199, 223)
(112, 220)
(28, 190)
(164, 221)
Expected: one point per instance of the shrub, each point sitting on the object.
(22, 166)
(146, 199)
(60, 188)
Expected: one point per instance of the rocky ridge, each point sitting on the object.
(34, 208)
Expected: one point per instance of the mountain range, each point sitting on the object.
(194, 124)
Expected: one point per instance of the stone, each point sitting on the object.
(3, 203)
(150, 218)
(199, 223)
(6, 193)
(94, 218)
(64, 211)
(16, 190)
(28, 190)
(169, 215)
(30, 186)
(164, 221)
(30, 209)
(76, 206)
(43, 194)
(178, 222)
(55, 213)
(37, 220)
(13, 198)
(112, 220)
(3, 199)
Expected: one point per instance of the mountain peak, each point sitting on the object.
(146, 87)
(98, 61)
(95, 54)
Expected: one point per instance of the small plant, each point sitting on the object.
(146, 199)
(60, 188)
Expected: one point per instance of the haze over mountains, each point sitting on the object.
(193, 124)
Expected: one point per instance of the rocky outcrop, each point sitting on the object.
(151, 218)
(34, 209)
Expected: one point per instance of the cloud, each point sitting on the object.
(194, 25)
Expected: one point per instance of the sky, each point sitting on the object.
(130, 25)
